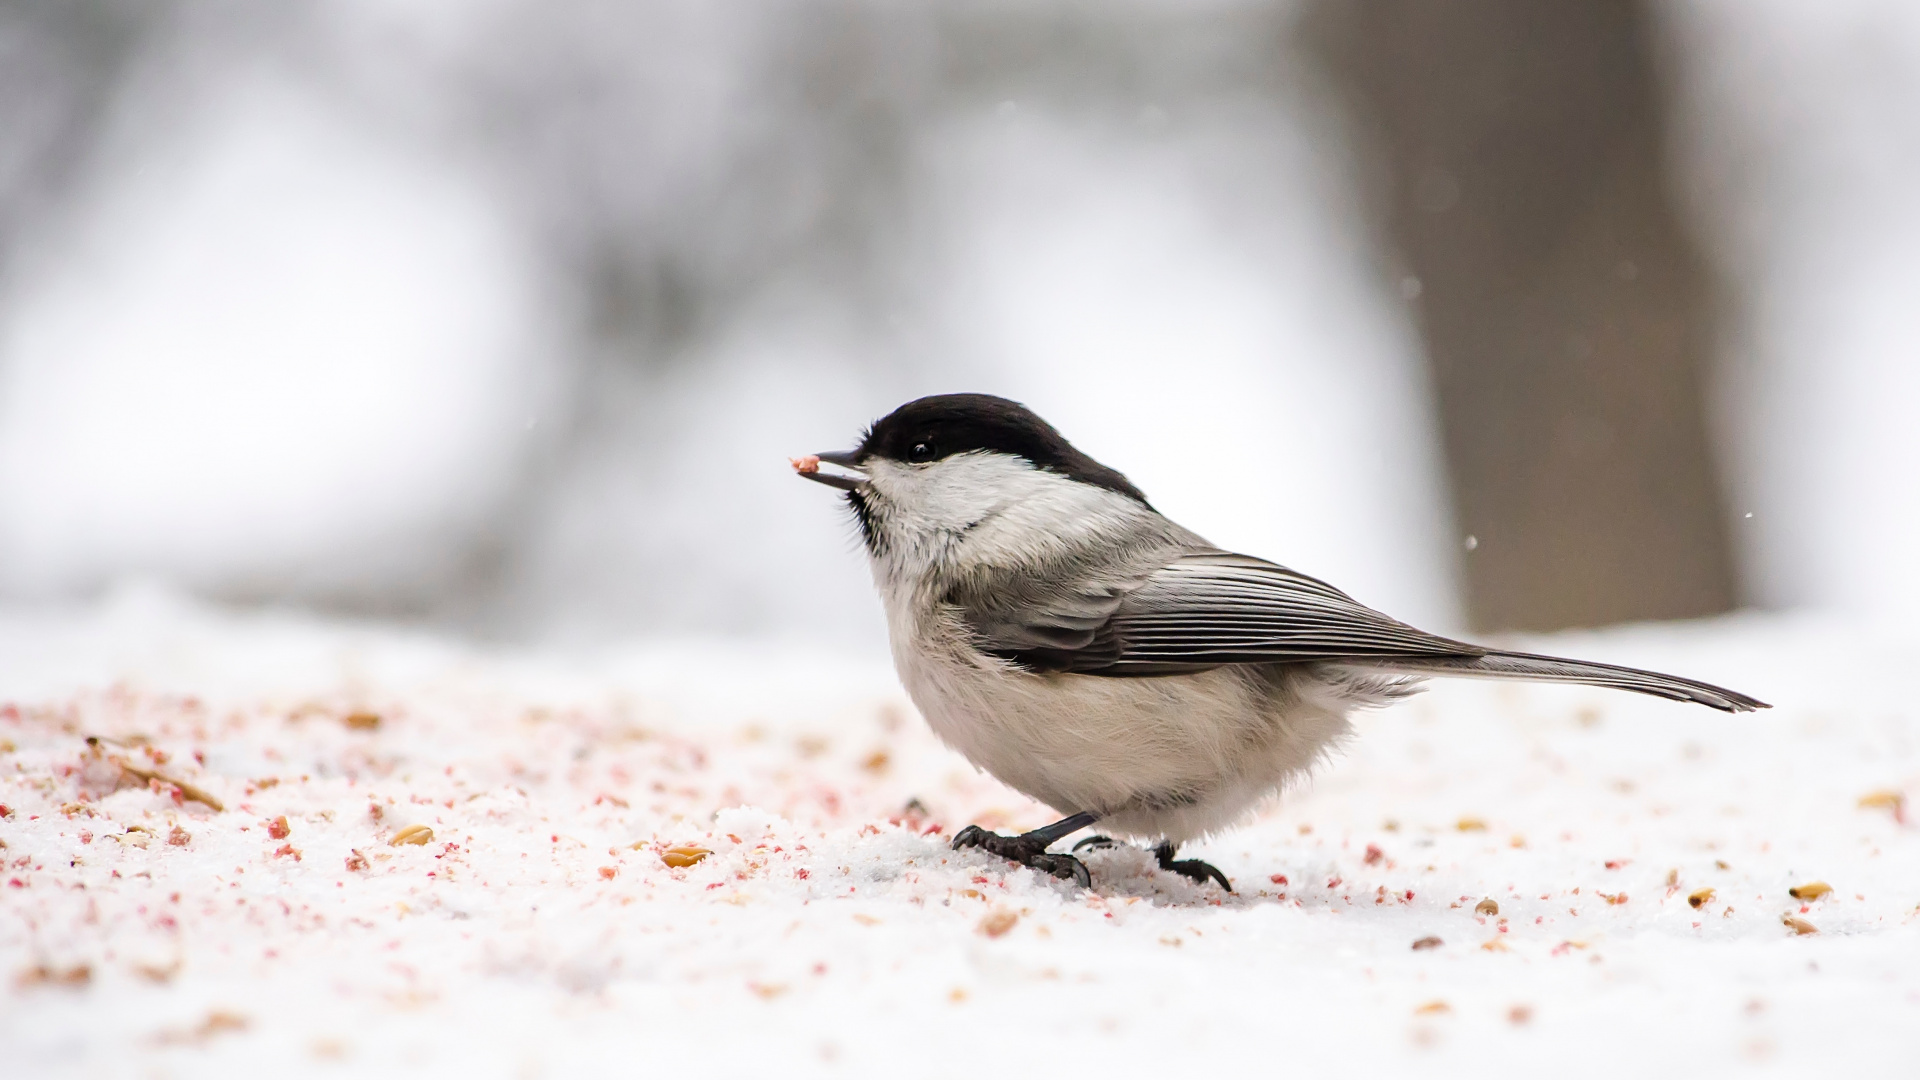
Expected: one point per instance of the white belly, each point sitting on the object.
(1173, 757)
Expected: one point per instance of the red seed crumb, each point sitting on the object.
(608, 872)
(278, 828)
(1374, 854)
(1278, 879)
(356, 861)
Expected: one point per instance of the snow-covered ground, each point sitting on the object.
(541, 931)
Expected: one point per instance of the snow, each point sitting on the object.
(541, 932)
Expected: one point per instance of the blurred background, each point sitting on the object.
(501, 318)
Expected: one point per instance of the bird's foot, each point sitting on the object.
(1027, 849)
(1200, 872)
(1096, 843)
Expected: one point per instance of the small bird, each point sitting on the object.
(1083, 649)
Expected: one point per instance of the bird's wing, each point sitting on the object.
(1191, 612)
(1202, 610)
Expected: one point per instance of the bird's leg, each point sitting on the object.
(1096, 843)
(1030, 848)
(1189, 868)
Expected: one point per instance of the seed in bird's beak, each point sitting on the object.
(809, 467)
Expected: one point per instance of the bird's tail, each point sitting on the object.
(1514, 665)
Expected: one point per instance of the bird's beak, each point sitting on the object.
(809, 467)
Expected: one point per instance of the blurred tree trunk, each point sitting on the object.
(1517, 152)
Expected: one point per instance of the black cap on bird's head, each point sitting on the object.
(933, 428)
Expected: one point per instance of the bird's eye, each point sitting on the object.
(920, 452)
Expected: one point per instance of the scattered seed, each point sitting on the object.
(412, 834)
(1433, 1008)
(278, 828)
(998, 922)
(683, 855)
(1798, 925)
(1428, 942)
(608, 872)
(187, 791)
(356, 861)
(1487, 907)
(77, 976)
(362, 721)
(1495, 945)
(179, 837)
(1520, 1014)
(1700, 897)
(1470, 824)
(1812, 890)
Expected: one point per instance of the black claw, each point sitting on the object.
(1027, 850)
(1098, 843)
(1198, 871)
(1064, 867)
(971, 836)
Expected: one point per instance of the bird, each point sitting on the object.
(1068, 639)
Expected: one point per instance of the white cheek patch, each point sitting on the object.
(1003, 506)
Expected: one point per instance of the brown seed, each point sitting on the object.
(1812, 890)
(43, 975)
(998, 922)
(1520, 1014)
(187, 791)
(876, 762)
(412, 834)
(1798, 925)
(1883, 800)
(1433, 1008)
(1428, 942)
(683, 855)
(362, 720)
(1470, 824)
(1487, 907)
(1700, 897)
(1495, 945)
